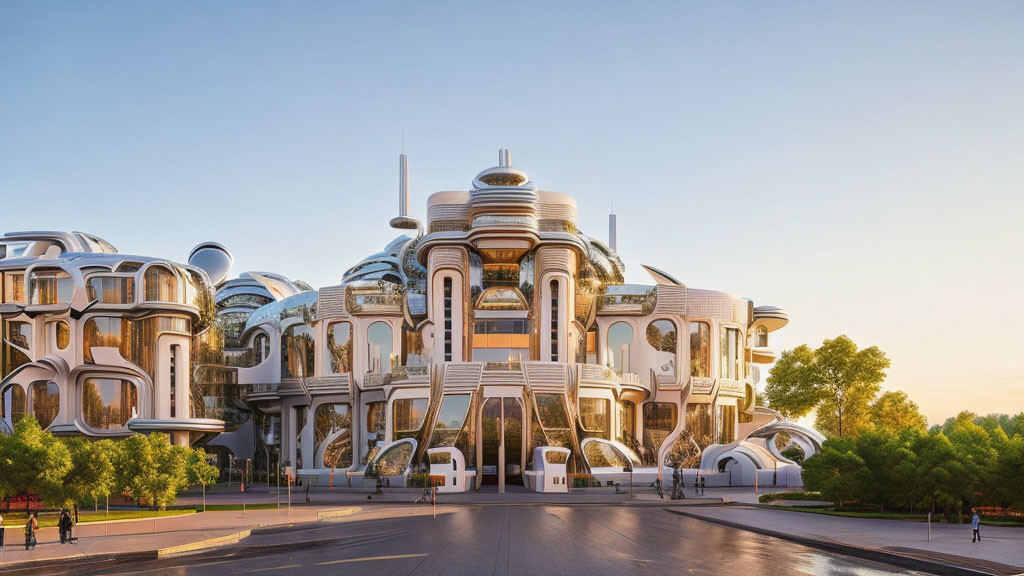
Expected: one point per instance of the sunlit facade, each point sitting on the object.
(495, 343)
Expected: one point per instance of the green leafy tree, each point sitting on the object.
(149, 469)
(840, 476)
(837, 379)
(893, 411)
(91, 471)
(38, 462)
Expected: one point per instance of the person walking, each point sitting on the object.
(702, 485)
(64, 525)
(975, 525)
(31, 525)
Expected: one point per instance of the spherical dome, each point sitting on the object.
(212, 258)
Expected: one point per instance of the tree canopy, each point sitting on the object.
(836, 379)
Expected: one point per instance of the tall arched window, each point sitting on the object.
(762, 337)
(620, 338)
(661, 335)
(379, 347)
(297, 352)
(553, 287)
(161, 285)
(339, 347)
(12, 404)
(63, 334)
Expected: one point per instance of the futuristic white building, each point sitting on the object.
(494, 344)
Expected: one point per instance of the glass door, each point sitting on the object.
(501, 442)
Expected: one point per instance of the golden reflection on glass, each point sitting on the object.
(595, 416)
(332, 435)
(17, 337)
(51, 287)
(160, 285)
(407, 417)
(12, 404)
(45, 402)
(108, 403)
(660, 420)
(14, 287)
(661, 335)
(63, 334)
(700, 350)
(111, 289)
(339, 344)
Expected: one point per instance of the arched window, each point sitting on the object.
(620, 338)
(161, 285)
(108, 403)
(63, 334)
(339, 347)
(45, 402)
(762, 337)
(260, 346)
(661, 335)
(379, 347)
(17, 343)
(297, 352)
(700, 350)
(103, 332)
(12, 404)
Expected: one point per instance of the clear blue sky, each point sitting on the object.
(859, 164)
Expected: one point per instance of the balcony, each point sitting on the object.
(374, 297)
(630, 299)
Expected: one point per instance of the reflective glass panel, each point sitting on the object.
(450, 419)
(332, 434)
(12, 404)
(111, 289)
(63, 334)
(379, 347)
(17, 337)
(161, 285)
(620, 337)
(14, 287)
(339, 345)
(45, 402)
(661, 335)
(408, 416)
(297, 352)
(51, 287)
(595, 415)
(700, 350)
(108, 403)
(660, 420)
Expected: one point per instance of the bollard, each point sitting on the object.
(433, 499)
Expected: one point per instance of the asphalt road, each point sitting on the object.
(534, 540)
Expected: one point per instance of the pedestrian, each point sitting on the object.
(975, 525)
(702, 485)
(31, 525)
(64, 525)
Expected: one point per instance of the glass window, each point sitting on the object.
(407, 415)
(732, 348)
(379, 346)
(45, 402)
(762, 336)
(375, 419)
(595, 416)
(339, 345)
(52, 287)
(501, 340)
(297, 352)
(446, 328)
(660, 420)
(332, 435)
(661, 335)
(103, 332)
(700, 350)
(111, 289)
(603, 455)
(450, 419)
(12, 404)
(17, 343)
(620, 338)
(14, 287)
(108, 403)
(698, 423)
(393, 461)
(627, 423)
(63, 334)
(261, 346)
(161, 285)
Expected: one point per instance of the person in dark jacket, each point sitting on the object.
(64, 524)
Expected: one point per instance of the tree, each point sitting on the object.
(840, 476)
(837, 379)
(38, 462)
(893, 411)
(200, 471)
(150, 469)
(91, 471)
